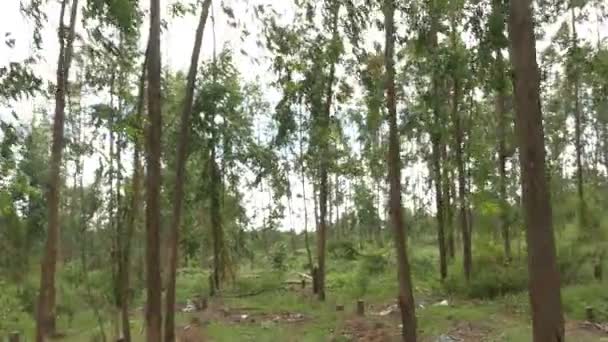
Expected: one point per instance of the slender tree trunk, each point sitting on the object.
(578, 146)
(180, 175)
(544, 282)
(45, 317)
(436, 137)
(112, 212)
(463, 216)
(153, 180)
(500, 88)
(303, 174)
(406, 298)
(324, 168)
(216, 219)
(134, 210)
(449, 215)
(502, 156)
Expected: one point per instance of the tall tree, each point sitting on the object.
(499, 84)
(180, 173)
(323, 126)
(459, 136)
(544, 283)
(134, 207)
(406, 298)
(45, 320)
(574, 78)
(437, 138)
(153, 180)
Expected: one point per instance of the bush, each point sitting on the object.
(278, 258)
(576, 298)
(368, 267)
(12, 314)
(492, 275)
(342, 250)
(191, 282)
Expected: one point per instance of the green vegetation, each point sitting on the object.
(426, 159)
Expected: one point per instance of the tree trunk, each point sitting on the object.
(463, 216)
(324, 166)
(406, 298)
(215, 181)
(306, 241)
(45, 318)
(134, 210)
(500, 88)
(436, 137)
(153, 181)
(502, 157)
(447, 191)
(544, 282)
(180, 175)
(578, 146)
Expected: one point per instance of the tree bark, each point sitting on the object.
(544, 282)
(436, 137)
(501, 128)
(406, 298)
(216, 218)
(134, 210)
(180, 175)
(303, 174)
(324, 166)
(447, 191)
(45, 317)
(502, 157)
(578, 146)
(463, 216)
(153, 180)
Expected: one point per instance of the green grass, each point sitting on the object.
(370, 277)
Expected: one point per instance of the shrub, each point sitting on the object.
(342, 250)
(492, 275)
(278, 257)
(368, 266)
(191, 282)
(12, 314)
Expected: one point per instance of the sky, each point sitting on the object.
(176, 47)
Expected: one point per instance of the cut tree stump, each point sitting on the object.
(14, 337)
(360, 308)
(339, 307)
(589, 314)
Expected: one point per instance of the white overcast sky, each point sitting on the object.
(176, 47)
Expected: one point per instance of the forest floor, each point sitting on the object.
(266, 305)
(304, 319)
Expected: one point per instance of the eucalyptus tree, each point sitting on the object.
(153, 180)
(180, 173)
(497, 41)
(45, 320)
(306, 61)
(544, 283)
(457, 69)
(406, 299)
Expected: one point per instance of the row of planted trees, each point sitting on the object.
(451, 91)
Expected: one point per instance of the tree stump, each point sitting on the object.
(339, 307)
(204, 303)
(589, 314)
(597, 271)
(14, 337)
(315, 280)
(211, 286)
(360, 308)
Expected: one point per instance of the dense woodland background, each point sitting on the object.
(399, 153)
